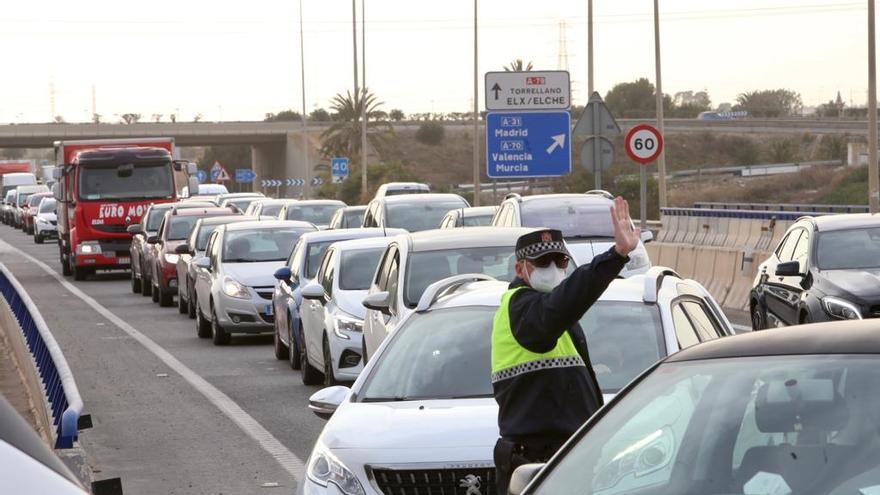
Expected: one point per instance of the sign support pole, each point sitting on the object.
(661, 160)
(476, 117)
(643, 198)
(873, 187)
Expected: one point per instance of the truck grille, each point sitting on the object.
(434, 481)
(115, 229)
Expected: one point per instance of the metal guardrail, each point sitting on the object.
(746, 214)
(61, 394)
(754, 170)
(803, 208)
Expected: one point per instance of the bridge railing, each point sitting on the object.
(60, 392)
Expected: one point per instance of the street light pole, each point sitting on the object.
(873, 189)
(589, 49)
(476, 117)
(305, 141)
(661, 160)
(364, 97)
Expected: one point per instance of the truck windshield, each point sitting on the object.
(143, 181)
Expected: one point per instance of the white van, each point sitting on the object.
(15, 179)
(19, 200)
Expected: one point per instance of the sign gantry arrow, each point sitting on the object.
(497, 89)
(558, 142)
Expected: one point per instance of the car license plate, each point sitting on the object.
(124, 260)
(269, 309)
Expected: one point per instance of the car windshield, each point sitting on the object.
(849, 249)
(181, 227)
(144, 181)
(47, 205)
(441, 354)
(426, 267)
(241, 204)
(419, 215)
(313, 257)
(155, 218)
(23, 197)
(203, 234)
(399, 192)
(358, 268)
(353, 219)
(756, 425)
(34, 200)
(316, 214)
(625, 339)
(575, 217)
(478, 220)
(271, 210)
(257, 245)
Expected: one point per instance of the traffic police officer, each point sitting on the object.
(541, 373)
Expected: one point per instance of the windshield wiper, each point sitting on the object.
(240, 260)
(385, 399)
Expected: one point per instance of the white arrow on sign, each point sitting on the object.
(558, 142)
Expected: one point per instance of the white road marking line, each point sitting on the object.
(288, 460)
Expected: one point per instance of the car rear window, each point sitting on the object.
(419, 215)
(575, 217)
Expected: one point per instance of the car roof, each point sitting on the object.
(240, 195)
(835, 337)
(226, 219)
(363, 243)
(272, 201)
(267, 225)
(32, 187)
(308, 202)
(477, 210)
(185, 205)
(422, 198)
(355, 208)
(845, 221)
(591, 198)
(391, 185)
(429, 240)
(346, 234)
(196, 212)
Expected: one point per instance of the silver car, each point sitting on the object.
(234, 280)
(45, 221)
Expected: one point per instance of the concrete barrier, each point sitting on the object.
(668, 255)
(653, 249)
(724, 269)
(687, 260)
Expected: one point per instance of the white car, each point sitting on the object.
(413, 261)
(212, 189)
(398, 188)
(332, 315)
(45, 221)
(475, 216)
(235, 279)
(267, 208)
(422, 413)
(583, 219)
(316, 211)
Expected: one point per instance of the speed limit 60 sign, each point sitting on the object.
(643, 143)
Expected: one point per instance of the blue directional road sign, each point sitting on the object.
(528, 144)
(339, 167)
(202, 176)
(245, 175)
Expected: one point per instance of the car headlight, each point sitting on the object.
(88, 247)
(647, 455)
(325, 468)
(841, 308)
(234, 289)
(42, 221)
(347, 324)
(171, 258)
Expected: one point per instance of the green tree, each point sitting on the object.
(343, 138)
(130, 118)
(396, 115)
(517, 65)
(772, 103)
(632, 99)
(283, 116)
(431, 133)
(320, 115)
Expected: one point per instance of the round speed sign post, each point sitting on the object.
(643, 144)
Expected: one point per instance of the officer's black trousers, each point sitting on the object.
(511, 453)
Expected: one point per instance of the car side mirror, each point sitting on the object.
(789, 269)
(380, 301)
(522, 476)
(203, 262)
(313, 291)
(282, 274)
(152, 239)
(647, 236)
(326, 401)
(134, 229)
(183, 249)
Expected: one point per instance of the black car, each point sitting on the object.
(825, 268)
(792, 411)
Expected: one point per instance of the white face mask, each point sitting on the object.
(547, 278)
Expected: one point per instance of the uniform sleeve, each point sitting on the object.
(538, 319)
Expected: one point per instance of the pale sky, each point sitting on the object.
(234, 60)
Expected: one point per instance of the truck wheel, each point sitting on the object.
(80, 272)
(203, 326)
(220, 336)
(65, 266)
(181, 303)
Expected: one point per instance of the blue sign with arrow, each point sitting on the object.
(245, 175)
(339, 167)
(528, 144)
(202, 176)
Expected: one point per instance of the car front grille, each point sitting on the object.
(115, 229)
(457, 481)
(265, 292)
(53, 222)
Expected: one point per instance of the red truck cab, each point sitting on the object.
(105, 186)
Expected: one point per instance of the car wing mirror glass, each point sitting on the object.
(203, 262)
(788, 269)
(313, 291)
(282, 274)
(183, 249)
(326, 401)
(152, 239)
(647, 236)
(134, 229)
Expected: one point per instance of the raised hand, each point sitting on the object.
(626, 237)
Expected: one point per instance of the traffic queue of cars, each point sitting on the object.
(393, 315)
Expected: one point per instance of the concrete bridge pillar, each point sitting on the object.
(285, 160)
(268, 161)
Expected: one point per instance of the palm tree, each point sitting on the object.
(518, 66)
(343, 138)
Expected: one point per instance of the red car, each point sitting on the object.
(174, 230)
(29, 211)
